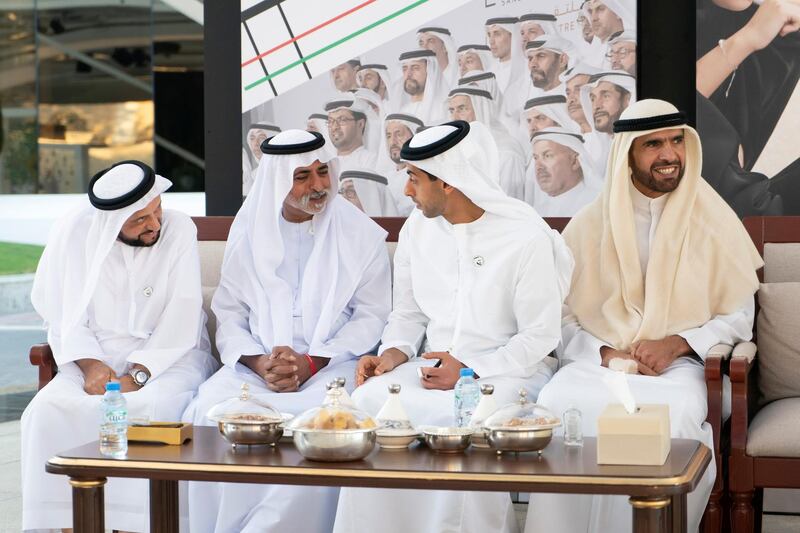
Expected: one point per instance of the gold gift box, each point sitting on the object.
(163, 432)
(641, 438)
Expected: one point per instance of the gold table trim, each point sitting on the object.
(697, 461)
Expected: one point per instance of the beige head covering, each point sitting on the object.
(702, 262)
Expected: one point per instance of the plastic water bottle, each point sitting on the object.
(114, 426)
(467, 395)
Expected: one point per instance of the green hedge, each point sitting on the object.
(19, 258)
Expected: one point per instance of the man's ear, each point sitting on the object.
(576, 162)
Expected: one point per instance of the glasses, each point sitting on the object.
(622, 53)
(339, 121)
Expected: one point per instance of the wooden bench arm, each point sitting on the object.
(742, 362)
(715, 362)
(42, 356)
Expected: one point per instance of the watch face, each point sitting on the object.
(140, 377)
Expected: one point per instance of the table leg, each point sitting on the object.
(88, 513)
(651, 514)
(679, 516)
(164, 513)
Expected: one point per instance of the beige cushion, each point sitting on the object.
(391, 247)
(778, 341)
(774, 432)
(211, 253)
(211, 322)
(781, 262)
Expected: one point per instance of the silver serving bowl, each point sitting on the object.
(447, 440)
(518, 439)
(239, 432)
(334, 445)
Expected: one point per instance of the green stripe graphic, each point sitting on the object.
(335, 44)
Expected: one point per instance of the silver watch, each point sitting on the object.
(139, 376)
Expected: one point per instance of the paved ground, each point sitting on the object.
(17, 334)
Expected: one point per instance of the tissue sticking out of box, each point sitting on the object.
(617, 382)
(628, 366)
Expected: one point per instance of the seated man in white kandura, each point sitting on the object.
(305, 290)
(483, 277)
(118, 286)
(664, 270)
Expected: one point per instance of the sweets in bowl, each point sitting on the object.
(334, 432)
(521, 426)
(245, 420)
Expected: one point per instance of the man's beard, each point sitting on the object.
(138, 242)
(338, 140)
(604, 122)
(394, 153)
(647, 179)
(304, 203)
(375, 87)
(413, 87)
(543, 78)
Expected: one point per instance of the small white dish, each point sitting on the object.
(396, 439)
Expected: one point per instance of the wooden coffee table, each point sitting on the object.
(657, 493)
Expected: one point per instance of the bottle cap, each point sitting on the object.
(466, 372)
(112, 385)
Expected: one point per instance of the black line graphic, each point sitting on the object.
(260, 60)
(296, 46)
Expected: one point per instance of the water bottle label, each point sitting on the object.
(117, 417)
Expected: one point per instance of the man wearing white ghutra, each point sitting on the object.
(119, 288)
(481, 277)
(305, 289)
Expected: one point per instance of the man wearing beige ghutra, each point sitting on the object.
(664, 270)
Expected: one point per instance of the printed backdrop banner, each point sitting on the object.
(747, 116)
(547, 77)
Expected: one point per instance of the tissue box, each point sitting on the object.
(641, 438)
(164, 432)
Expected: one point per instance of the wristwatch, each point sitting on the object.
(139, 376)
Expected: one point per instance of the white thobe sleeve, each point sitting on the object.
(726, 329)
(81, 343)
(407, 323)
(578, 344)
(370, 304)
(537, 308)
(234, 338)
(181, 324)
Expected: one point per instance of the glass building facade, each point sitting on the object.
(86, 83)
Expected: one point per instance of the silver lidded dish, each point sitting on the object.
(395, 431)
(245, 420)
(447, 439)
(334, 432)
(522, 426)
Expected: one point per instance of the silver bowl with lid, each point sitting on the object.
(334, 432)
(249, 432)
(247, 421)
(521, 426)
